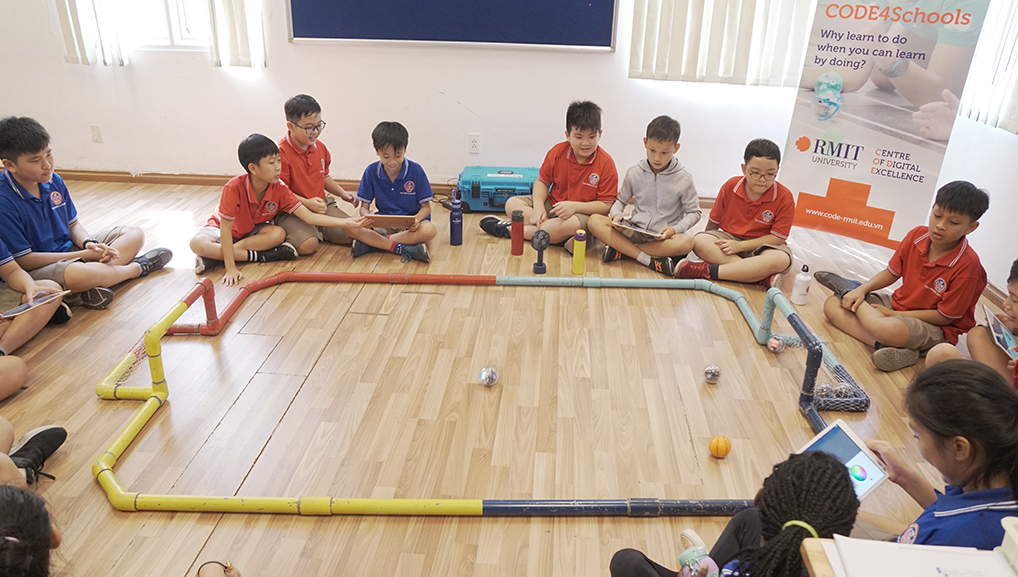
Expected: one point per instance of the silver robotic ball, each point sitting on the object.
(843, 391)
(488, 376)
(823, 390)
(775, 344)
(712, 373)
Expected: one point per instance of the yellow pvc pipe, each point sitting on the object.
(108, 384)
(154, 350)
(308, 506)
(140, 419)
(124, 393)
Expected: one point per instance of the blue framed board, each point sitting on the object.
(580, 23)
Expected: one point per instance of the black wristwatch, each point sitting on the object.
(88, 240)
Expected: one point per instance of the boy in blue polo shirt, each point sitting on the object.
(39, 224)
(397, 186)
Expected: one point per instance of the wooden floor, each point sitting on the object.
(371, 391)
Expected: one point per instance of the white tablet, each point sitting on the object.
(866, 469)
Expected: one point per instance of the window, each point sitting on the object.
(179, 23)
(991, 92)
(754, 42)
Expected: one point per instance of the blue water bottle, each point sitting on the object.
(455, 222)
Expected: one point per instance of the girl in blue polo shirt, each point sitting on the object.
(965, 417)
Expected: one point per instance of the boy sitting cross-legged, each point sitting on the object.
(664, 200)
(577, 179)
(305, 170)
(240, 229)
(398, 186)
(941, 277)
(40, 226)
(749, 224)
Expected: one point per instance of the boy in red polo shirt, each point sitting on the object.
(577, 179)
(241, 229)
(941, 278)
(744, 241)
(306, 163)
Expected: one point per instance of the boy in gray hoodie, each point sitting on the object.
(664, 203)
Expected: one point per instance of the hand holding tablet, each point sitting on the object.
(864, 467)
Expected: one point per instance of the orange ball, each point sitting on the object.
(720, 447)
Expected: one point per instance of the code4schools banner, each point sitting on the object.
(877, 99)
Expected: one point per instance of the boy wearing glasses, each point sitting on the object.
(306, 163)
(744, 240)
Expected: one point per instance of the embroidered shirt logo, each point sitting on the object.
(408, 186)
(55, 198)
(940, 285)
(271, 208)
(767, 216)
(908, 535)
(323, 165)
(593, 178)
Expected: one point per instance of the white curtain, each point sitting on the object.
(754, 42)
(991, 91)
(90, 32)
(237, 33)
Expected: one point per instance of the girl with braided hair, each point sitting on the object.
(964, 416)
(809, 495)
(26, 534)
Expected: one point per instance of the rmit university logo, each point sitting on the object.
(593, 178)
(56, 198)
(940, 285)
(831, 152)
(408, 186)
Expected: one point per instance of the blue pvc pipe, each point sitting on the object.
(614, 507)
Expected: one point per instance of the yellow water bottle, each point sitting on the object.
(579, 250)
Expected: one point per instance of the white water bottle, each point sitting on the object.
(800, 289)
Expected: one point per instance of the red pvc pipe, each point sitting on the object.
(214, 325)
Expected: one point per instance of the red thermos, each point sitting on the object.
(517, 232)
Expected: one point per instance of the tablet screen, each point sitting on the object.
(864, 472)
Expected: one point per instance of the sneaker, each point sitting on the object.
(285, 251)
(153, 260)
(415, 252)
(890, 359)
(663, 265)
(497, 227)
(97, 298)
(359, 248)
(837, 284)
(689, 269)
(34, 448)
(689, 538)
(768, 282)
(61, 315)
(203, 264)
(610, 254)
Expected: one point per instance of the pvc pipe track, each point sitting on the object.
(155, 396)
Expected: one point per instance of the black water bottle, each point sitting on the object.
(455, 222)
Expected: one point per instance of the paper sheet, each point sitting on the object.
(864, 558)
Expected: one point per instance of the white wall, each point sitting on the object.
(174, 112)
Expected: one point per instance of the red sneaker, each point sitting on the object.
(768, 282)
(688, 269)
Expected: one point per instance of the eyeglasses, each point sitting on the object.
(313, 128)
(763, 175)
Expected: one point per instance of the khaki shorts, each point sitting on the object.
(213, 231)
(529, 201)
(922, 336)
(9, 298)
(726, 236)
(55, 271)
(298, 231)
